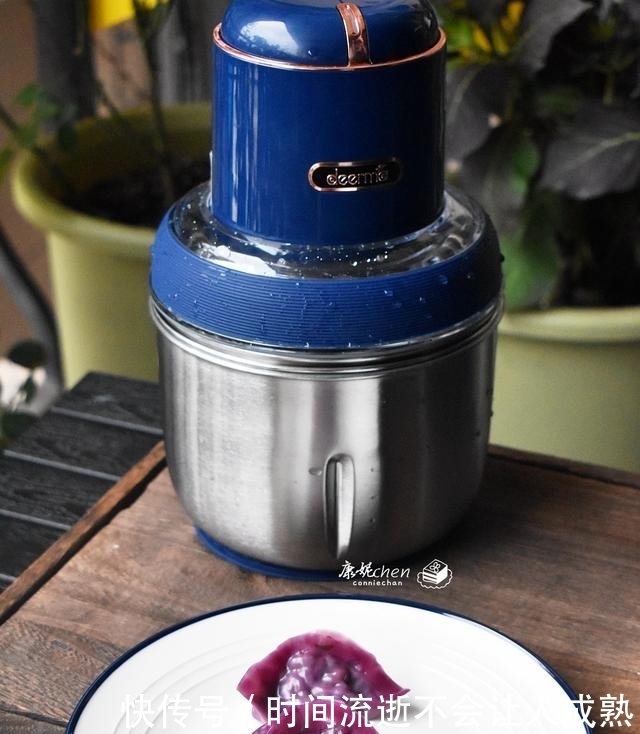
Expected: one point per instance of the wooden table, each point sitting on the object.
(66, 461)
(549, 554)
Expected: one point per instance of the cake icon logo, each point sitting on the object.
(435, 575)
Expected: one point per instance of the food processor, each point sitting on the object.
(326, 308)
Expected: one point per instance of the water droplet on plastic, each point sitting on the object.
(443, 280)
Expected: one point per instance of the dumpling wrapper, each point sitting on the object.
(317, 667)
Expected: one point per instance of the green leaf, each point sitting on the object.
(27, 135)
(499, 175)
(596, 154)
(28, 353)
(557, 102)
(476, 101)
(531, 260)
(28, 95)
(459, 32)
(541, 22)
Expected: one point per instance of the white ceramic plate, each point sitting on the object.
(463, 676)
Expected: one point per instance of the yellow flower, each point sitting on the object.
(480, 39)
(502, 36)
(510, 21)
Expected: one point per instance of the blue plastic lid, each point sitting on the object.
(312, 32)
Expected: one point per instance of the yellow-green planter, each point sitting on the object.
(568, 384)
(99, 268)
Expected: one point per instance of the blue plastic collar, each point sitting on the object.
(330, 313)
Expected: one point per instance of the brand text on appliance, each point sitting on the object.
(354, 175)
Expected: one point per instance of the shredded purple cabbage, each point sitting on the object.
(312, 668)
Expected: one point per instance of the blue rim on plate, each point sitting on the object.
(118, 662)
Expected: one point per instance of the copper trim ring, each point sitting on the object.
(278, 63)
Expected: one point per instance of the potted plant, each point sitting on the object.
(98, 187)
(543, 105)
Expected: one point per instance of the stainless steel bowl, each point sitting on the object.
(305, 459)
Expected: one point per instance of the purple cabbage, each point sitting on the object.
(318, 667)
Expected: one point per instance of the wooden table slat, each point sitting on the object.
(44, 493)
(65, 442)
(22, 542)
(13, 724)
(58, 553)
(52, 474)
(133, 404)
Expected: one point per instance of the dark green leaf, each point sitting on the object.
(48, 111)
(45, 104)
(598, 153)
(541, 22)
(28, 95)
(476, 100)
(27, 135)
(67, 136)
(487, 12)
(29, 354)
(558, 102)
(531, 261)
(499, 175)
(632, 7)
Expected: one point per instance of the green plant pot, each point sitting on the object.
(568, 384)
(99, 268)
